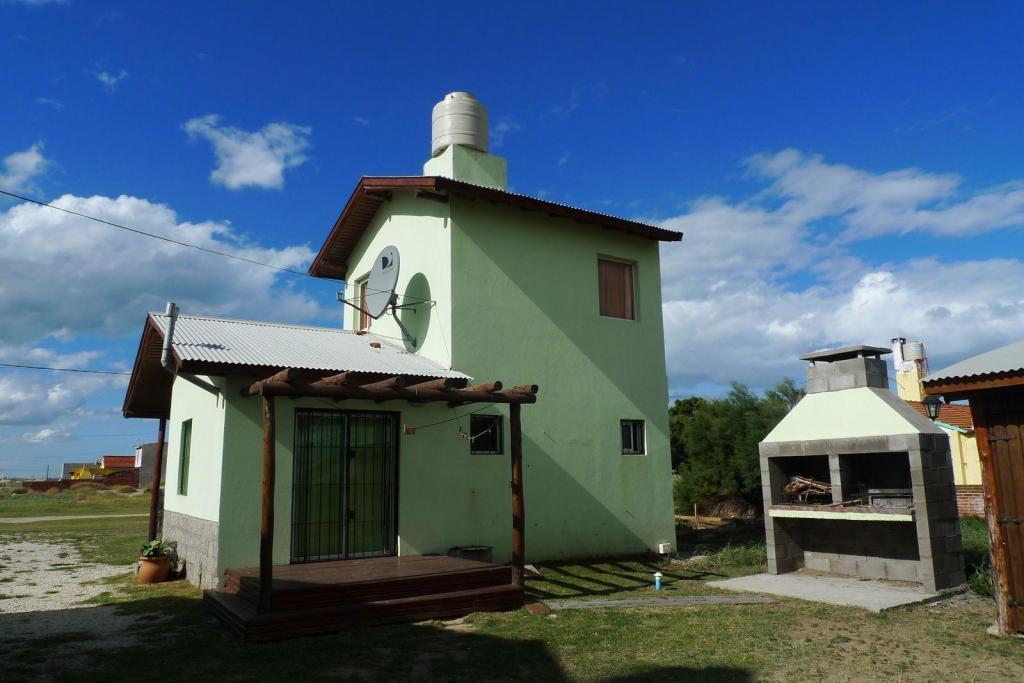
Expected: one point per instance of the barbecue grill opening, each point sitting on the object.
(876, 480)
(802, 480)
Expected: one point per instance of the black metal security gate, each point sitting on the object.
(344, 485)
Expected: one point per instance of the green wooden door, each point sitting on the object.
(344, 500)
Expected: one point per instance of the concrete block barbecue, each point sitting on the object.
(856, 482)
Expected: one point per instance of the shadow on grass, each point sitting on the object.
(602, 579)
(177, 634)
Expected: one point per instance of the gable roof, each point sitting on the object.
(224, 346)
(371, 192)
(850, 413)
(1007, 359)
(949, 413)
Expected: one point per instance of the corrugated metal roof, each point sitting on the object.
(249, 342)
(1009, 358)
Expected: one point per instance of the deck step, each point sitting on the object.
(317, 595)
(243, 618)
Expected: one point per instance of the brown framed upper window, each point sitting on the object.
(364, 319)
(615, 289)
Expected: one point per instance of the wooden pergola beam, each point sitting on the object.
(482, 394)
(355, 385)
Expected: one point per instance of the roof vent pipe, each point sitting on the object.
(167, 359)
(458, 119)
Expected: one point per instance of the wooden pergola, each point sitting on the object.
(367, 386)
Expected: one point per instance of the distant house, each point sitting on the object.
(911, 365)
(145, 454)
(110, 469)
(68, 468)
(117, 462)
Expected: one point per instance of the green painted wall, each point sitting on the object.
(421, 230)
(516, 300)
(207, 414)
(525, 309)
(435, 468)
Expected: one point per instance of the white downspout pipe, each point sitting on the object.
(167, 359)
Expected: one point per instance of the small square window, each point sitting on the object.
(615, 289)
(485, 434)
(632, 437)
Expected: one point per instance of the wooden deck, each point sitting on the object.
(322, 597)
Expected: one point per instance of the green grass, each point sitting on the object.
(787, 640)
(103, 541)
(977, 561)
(71, 502)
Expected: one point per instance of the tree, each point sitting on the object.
(715, 441)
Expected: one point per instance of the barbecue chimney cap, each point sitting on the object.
(846, 352)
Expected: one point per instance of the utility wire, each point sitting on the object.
(41, 367)
(207, 250)
(161, 237)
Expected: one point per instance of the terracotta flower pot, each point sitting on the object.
(153, 569)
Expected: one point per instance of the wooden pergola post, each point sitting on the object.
(267, 524)
(518, 504)
(158, 467)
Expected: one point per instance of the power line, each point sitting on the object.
(42, 367)
(162, 237)
(207, 250)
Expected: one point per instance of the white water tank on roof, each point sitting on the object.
(913, 350)
(458, 119)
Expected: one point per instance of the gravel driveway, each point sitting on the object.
(42, 589)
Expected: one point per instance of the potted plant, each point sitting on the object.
(155, 560)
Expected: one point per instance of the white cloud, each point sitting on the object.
(50, 102)
(110, 80)
(26, 400)
(66, 276)
(251, 159)
(897, 202)
(501, 129)
(45, 435)
(755, 283)
(20, 169)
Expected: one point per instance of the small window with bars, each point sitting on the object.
(485, 434)
(632, 437)
(615, 289)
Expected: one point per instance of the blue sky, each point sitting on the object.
(844, 172)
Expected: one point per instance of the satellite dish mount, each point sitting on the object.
(380, 290)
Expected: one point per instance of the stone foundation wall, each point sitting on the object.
(970, 500)
(197, 546)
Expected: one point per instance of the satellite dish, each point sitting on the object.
(380, 288)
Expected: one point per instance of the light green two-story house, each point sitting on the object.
(492, 285)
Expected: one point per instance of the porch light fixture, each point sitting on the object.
(932, 405)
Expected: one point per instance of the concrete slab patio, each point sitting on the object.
(876, 596)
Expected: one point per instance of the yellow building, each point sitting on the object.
(911, 368)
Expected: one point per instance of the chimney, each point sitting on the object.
(911, 364)
(850, 367)
(459, 143)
